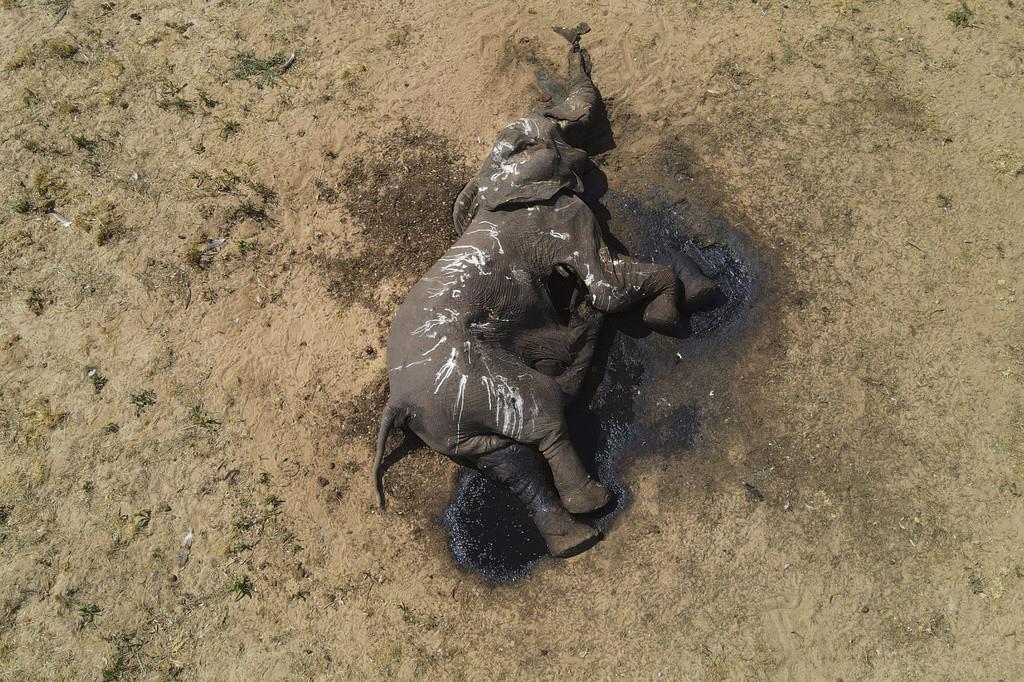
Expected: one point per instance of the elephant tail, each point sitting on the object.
(387, 424)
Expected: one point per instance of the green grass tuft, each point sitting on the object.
(88, 613)
(962, 16)
(245, 246)
(83, 142)
(248, 210)
(97, 379)
(241, 587)
(201, 418)
(261, 72)
(179, 26)
(229, 128)
(205, 99)
(142, 400)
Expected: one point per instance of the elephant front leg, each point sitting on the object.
(521, 469)
(573, 376)
(699, 290)
(617, 283)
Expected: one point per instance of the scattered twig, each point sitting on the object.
(754, 493)
(288, 62)
(62, 11)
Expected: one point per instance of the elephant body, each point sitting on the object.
(496, 338)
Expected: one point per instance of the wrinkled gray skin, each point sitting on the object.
(482, 358)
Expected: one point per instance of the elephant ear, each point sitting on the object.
(466, 205)
(529, 163)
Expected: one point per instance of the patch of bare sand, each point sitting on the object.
(871, 152)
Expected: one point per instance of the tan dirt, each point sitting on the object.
(871, 151)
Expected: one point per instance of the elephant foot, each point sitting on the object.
(662, 312)
(589, 497)
(565, 536)
(699, 291)
(572, 34)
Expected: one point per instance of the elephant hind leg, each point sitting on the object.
(579, 493)
(529, 409)
(521, 469)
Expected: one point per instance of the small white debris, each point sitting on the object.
(60, 219)
(186, 550)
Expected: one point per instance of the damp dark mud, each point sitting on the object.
(400, 192)
(642, 398)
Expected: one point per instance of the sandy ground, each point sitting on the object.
(156, 386)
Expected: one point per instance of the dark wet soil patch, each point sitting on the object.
(489, 530)
(400, 191)
(634, 402)
(359, 417)
(658, 229)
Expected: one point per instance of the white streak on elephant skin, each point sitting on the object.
(491, 231)
(458, 264)
(507, 403)
(441, 290)
(410, 364)
(458, 407)
(508, 168)
(559, 235)
(443, 339)
(446, 316)
(460, 397)
(446, 371)
(528, 126)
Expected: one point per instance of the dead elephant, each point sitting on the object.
(487, 350)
